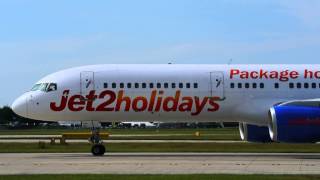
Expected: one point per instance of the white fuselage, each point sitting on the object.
(168, 93)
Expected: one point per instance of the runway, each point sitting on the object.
(160, 163)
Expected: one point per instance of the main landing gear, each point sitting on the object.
(97, 149)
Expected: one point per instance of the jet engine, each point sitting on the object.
(295, 122)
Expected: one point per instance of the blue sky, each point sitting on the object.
(40, 37)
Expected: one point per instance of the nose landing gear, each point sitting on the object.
(98, 149)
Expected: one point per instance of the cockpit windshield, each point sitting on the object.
(35, 87)
(43, 87)
(46, 87)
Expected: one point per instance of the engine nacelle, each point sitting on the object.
(253, 133)
(295, 122)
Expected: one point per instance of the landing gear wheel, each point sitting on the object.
(98, 150)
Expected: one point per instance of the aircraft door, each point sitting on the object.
(86, 82)
(217, 84)
(31, 105)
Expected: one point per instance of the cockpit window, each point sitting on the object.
(35, 87)
(52, 87)
(43, 87)
(46, 87)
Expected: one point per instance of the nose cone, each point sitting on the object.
(19, 106)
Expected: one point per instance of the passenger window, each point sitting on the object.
(105, 85)
(239, 85)
(276, 85)
(261, 85)
(166, 85)
(159, 85)
(195, 85)
(299, 85)
(314, 85)
(306, 85)
(188, 85)
(121, 85)
(144, 85)
(180, 85)
(136, 85)
(291, 85)
(231, 85)
(151, 85)
(173, 85)
(129, 85)
(52, 87)
(246, 85)
(114, 85)
(254, 85)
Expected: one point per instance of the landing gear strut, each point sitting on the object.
(98, 149)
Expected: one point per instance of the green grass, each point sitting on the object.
(162, 147)
(180, 134)
(230, 137)
(205, 131)
(162, 177)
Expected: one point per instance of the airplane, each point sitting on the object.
(271, 102)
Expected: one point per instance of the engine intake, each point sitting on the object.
(253, 133)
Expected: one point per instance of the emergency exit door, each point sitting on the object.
(217, 85)
(86, 82)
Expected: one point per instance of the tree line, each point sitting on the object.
(7, 116)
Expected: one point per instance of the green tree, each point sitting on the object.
(6, 115)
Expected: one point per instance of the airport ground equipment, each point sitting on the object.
(51, 138)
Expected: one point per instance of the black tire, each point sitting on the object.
(98, 150)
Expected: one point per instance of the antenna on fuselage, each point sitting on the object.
(230, 61)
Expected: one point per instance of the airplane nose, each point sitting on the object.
(19, 106)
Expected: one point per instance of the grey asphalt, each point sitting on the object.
(160, 163)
